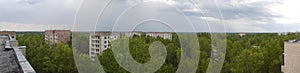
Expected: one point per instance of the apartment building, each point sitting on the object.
(291, 57)
(165, 35)
(99, 41)
(56, 36)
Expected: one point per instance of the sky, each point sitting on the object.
(179, 15)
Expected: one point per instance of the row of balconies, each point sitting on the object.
(98, 46)
(103, 37)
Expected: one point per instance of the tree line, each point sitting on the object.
(46, 57)
(259, 53)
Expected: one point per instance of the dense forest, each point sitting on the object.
(252, 53)
(45, 57)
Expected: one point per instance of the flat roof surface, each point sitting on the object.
(7, 65)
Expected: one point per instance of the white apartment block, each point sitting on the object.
(99, 41)
(165, 35)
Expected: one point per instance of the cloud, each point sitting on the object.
(32, 27)
(29, 1)
(38, 11)
(238, 15)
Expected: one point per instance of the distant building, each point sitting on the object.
(282, 33)
(291, 57)
(165, 35)
(56, 36)
(11, 34)
(131, 34)
(242, 34)
(297, 33)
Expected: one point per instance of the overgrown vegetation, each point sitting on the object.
(47, 58)
(253, 53)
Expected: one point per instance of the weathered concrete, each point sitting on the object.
(7, 63)
(291, 57)
(13, 60)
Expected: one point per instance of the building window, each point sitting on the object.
(105, 46)
(97, 50)
(105, 42)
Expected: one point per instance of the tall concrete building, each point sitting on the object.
(56, 36)
(291, 57)
(99, 41)
(165, 35)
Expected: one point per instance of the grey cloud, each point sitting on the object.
(31, 27)
(231, 9)
(29, 1)
(237, 14)
(256, 10)
(254, 15)
(39, 11)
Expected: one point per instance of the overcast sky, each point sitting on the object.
(237, 15)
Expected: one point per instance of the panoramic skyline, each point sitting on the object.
(238, 16)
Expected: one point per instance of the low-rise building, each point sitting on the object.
(165, 35)
(56, 36)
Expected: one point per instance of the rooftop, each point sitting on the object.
(295, 41)
(13, 61)
(6, 58)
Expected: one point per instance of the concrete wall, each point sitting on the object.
(291, 58)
